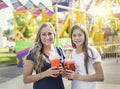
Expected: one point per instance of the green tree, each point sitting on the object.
(6, 33)
(25, 24)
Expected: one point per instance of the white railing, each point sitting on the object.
(109, 50)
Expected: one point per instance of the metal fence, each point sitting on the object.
(109, 50)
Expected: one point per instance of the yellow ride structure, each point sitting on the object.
(74, 14)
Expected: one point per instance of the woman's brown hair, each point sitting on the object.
(85, 44)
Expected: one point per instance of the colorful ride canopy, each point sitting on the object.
(18, 5)
(61, 2)
(3, 5)
(31, 6)
(35, 9)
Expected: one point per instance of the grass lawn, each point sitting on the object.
(6, 57)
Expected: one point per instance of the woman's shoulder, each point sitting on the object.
(30, 55)
(60, 51)
(93, 49)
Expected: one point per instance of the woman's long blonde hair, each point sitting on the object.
(37, 50)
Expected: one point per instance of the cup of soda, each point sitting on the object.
(69, 65)
(55, 62)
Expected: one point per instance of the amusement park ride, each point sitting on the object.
(96, 15)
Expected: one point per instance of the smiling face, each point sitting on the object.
(47, 36)
(78, 37)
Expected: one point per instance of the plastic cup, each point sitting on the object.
(70, 65)
(55, 62)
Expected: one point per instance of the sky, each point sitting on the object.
(7, 13)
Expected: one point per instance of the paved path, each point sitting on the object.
(11, 77)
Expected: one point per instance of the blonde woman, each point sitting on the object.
(39, 59)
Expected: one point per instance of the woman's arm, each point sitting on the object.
(28, 70)
(98, 76)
